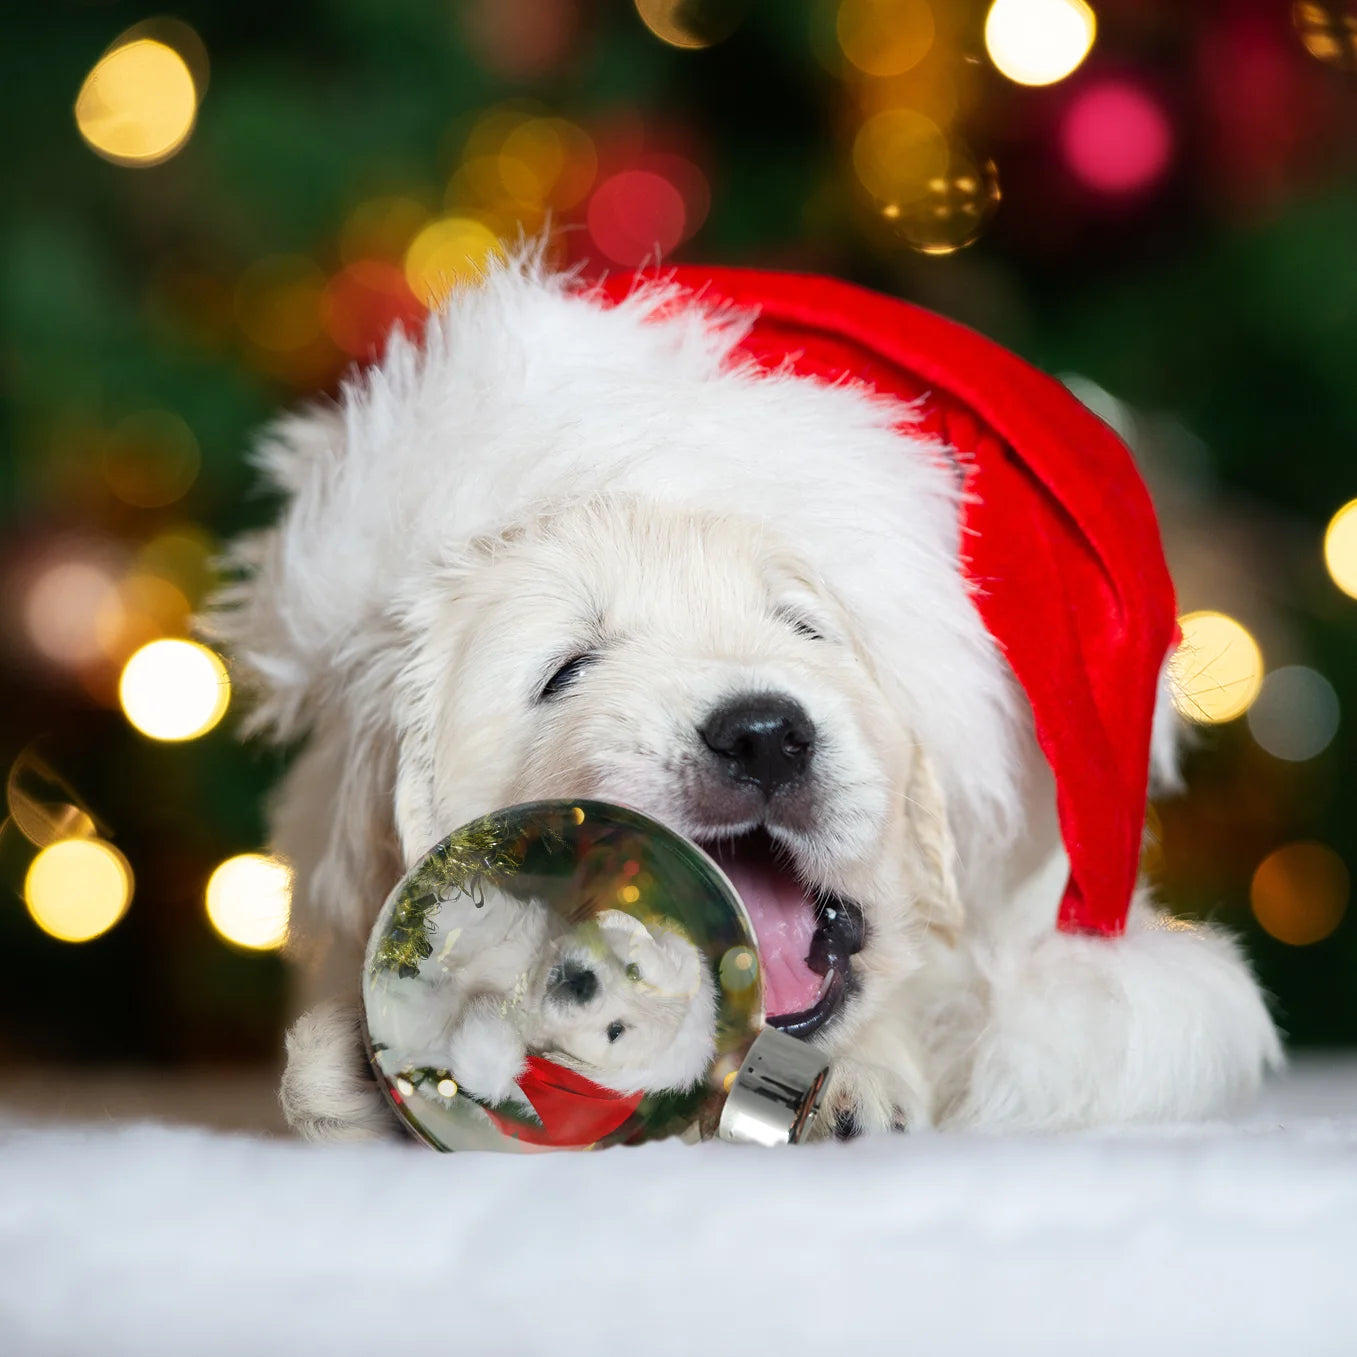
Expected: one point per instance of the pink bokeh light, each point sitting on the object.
(1116, 137)
(635, 216)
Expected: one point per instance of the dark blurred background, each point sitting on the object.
(213, 214)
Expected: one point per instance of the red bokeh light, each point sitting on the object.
(363, 302)
(636, 216)
(1116, 138)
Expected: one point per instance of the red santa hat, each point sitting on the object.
(1060, 541)
(574, 1112)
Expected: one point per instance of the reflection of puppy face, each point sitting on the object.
(627, 1007)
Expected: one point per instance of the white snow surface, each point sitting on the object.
(1233, 1238)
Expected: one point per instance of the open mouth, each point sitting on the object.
(805, 936)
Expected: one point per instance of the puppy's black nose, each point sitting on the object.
(574, 983)
(763, 739)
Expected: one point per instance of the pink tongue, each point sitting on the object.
(783, 916)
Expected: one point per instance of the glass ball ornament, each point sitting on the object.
(575, 975)
(951, 212)
(1328, 31)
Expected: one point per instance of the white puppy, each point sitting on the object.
(566, 550)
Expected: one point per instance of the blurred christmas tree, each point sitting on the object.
(212, 215)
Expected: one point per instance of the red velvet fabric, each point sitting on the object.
(1060, 541)
(574, 1111)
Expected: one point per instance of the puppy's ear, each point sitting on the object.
(668, 962)
(931, 833)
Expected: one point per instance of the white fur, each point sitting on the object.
(545, 474)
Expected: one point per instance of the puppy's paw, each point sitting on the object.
(487, 1053)
(328, 1092)
(862, 1100)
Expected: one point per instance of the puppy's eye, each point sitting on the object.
(565, 675)
(799, 625)
(615, 1030)
(633, 971)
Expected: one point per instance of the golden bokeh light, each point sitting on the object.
(151, 459)
(278, 302)
(445, 253)
(381, 228)
(897, 153)
(1037, 42)
(953, 210)
(249, 900)
(1216, 672)
(885, 37)
(174, 690)
(145, 608)
(78, 888)
(182, 555)
(137, 106)
(691, 24)
(63, 608)
(1299, 893)
(547, 163)
(1340, 548)
(1328, 31)
(42, 805)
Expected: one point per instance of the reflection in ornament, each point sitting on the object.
(953, 210)
(1328, 30)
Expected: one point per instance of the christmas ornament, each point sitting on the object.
(570, 975)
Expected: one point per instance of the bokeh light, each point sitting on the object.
(183, 556)
(1296, 713)
(64, 610)
(897, 153)
(174, 690)
(691, 23)
(1328, 31)
(1340, 548)
(145, 608)
(151, 459)
(42, 805)
(78, 888)
(1116, 138)
(447, 252)
(1217, 671)
(1299, 893)
(953, 209)
(363, 302)
(885, 37)
(137, 106)
(1037, 42)
(636, 216)
(381, 228)
(278, 302)
(249, 900)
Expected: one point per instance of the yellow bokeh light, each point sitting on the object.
(1340, 548)
(885, 37)
(174, 690)
(1037, 42)
(449, 251)
(897, 153)
(249, 900)
(1216, 672)
(1299, 893)
(78, 888)
(278, 302)
(690, 24)
(138, 104)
